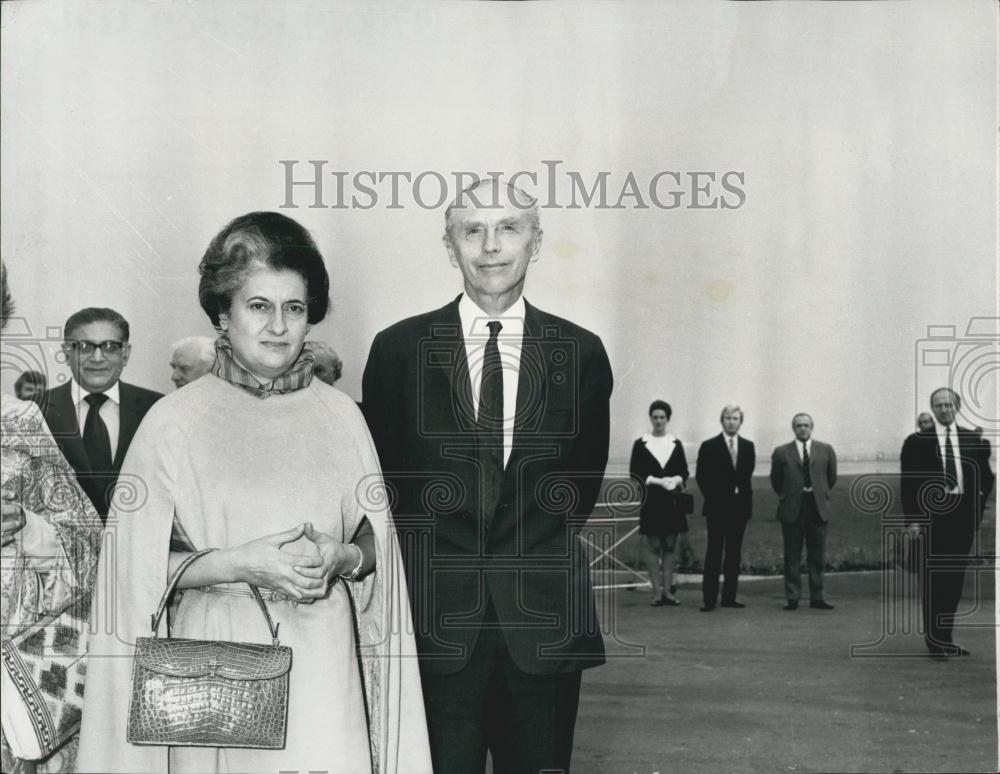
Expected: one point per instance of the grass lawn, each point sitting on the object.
(862, 512)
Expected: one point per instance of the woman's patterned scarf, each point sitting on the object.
(295, 378)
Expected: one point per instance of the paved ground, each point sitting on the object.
(764, 690)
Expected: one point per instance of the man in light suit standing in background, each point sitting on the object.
(802, 474)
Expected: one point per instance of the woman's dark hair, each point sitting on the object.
(261, 239)
(660, 404)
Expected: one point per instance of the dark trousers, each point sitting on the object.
(725, 538)
(951, 537)
(811, 529)
(525, 721)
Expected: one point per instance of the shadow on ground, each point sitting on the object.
(764, 690)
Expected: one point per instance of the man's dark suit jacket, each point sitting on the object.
(526, 555)
(923, 471)
(788, 478)
(718, 481)
(60, 415)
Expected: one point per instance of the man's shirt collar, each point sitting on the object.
(79, 393)
(475, 320)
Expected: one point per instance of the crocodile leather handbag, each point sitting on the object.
(208, 693)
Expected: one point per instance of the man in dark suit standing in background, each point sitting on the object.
(491, 420)
(946, 479)
(802, 474)
(725, 466)
(95, 415)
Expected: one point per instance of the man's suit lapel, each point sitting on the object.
(128, 421)
(794, 457)
(447, 351)
(61, 417)
(742, 453)
(531, 380)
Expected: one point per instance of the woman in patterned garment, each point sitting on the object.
(276, 470)
(49, 548)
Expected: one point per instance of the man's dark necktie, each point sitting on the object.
(489, 422)
(807, 480)
(950, 470)
(95, 435)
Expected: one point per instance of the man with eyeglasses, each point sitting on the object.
(95, 415)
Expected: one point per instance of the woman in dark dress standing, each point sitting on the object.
(660, 467)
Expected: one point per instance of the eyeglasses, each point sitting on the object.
(86, 348)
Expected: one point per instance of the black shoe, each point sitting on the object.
(820, 604)
(942, 652)
(734, 603)
(792, 604)
(707, 608)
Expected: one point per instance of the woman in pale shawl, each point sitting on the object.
(276, 470)
(49, 547)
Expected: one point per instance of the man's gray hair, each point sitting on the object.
(516, 196)
(324, 351)
(202, 346)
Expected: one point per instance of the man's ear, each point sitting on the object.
(126, 352)
(446, 238)
(536, 245)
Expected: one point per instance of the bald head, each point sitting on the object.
(328, 366)
(192, 358)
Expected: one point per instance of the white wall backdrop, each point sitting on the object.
(866, 134)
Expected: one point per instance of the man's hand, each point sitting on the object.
(13, 519)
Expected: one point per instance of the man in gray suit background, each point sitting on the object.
(802, 474)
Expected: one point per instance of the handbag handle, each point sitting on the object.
(175, 579)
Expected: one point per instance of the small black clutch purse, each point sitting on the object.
(683, 503)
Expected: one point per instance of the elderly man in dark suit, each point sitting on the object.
(946, 481)
(802, 474)
(94, 416)
(491, 419)
(725, 467)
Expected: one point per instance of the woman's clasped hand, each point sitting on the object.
(303, 571)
